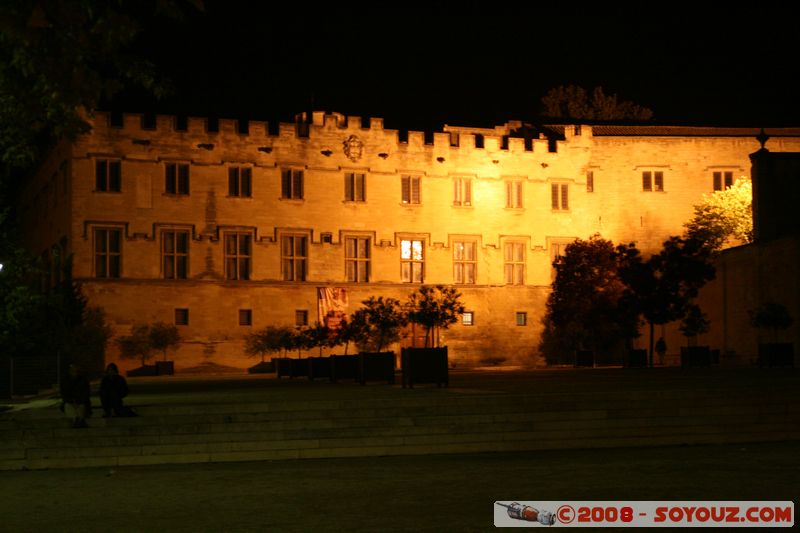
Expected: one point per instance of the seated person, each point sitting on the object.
(113, 388)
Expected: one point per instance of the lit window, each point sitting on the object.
(522, 318)
(514, 194)
(356, 259)
(590, 181)
(464, 262)
(354, 187)
(301, 317)
(462, 192)
(238, 253)
(723, 180)
(175, 254)
(559, 193)
(468, 318)
(653, 181)
(514, 254)
(240, 181)
(108, 176)
(292, 184)
(294, 254)
(177, 178)
(411, 261)
(181, 317)
(107, 253)
(410, 189)
(245, 317)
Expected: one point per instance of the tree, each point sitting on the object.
(163, 337)
(573, 102)
(378, 323)
(662, 288)
(319, 336)
(724, 218)
(268, 340)
(434, 307)
(770, 316)
(137, 344)
(694, 323)
(584, 308)
(59, 59)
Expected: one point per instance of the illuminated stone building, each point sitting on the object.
(223, 228)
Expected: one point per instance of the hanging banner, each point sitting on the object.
(332, 306)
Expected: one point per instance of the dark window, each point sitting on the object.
(107, 253)
(294, 255)
(240, 182)
(514, 257)
(181, 123)
(175, 254)
(409, 193)
(559, 193)
(177, 178)
(647, 181)
(238, 254)
(462, 192)
(653, 181)
(478, 140)
(292, 184)
(356, 259)
(514, 194)
(181, 317)
(354, 187)
(108, 176)
(301, 317)
(464, 262)
(245, 317)
(590, 181)
(658, 181)
(522, 318)
(722, 180)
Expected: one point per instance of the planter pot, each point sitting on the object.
(146, 370)
(636, 358)
(424, 365)
(265, 367)
(300, 368)
(584, 358)
(319, 367)
(344, 367)
(376, 366)
(165, 368)
(283, 366)
(776, 354)
(695, 356)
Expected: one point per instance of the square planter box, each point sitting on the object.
(319, 367)
(695, 356)
(424, 365)
(776, 354)
(584, 358)
(265, 367)
(344, 367)
(376, 366)
(636, 358)
(165, 368)
(146, 370)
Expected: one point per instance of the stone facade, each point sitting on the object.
(261, 210)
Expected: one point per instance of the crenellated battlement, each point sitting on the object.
(329, 130)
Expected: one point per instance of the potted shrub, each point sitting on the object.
(137, 346)
(262, 342)
(318, 336)
(163, 337)
(374, 327)
(434, 308)
(694, 323)
(773, 317)
(345, 366)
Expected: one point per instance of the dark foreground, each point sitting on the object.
(419, 493)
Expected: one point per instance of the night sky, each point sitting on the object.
(422, 67)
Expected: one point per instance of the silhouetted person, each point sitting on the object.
(113, 388)
(76, 397)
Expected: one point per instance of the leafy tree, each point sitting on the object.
(319, 336)
(59, 59)
(268, 340)
(346, 333)
(663, 287)
(584, 309)
(724, 218)
(137, 344)
(433, 307)
(771, 316)
(574, 102)
(163, 337)
(694, 323)
(378, 323)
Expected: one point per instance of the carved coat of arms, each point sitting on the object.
(353, 148)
